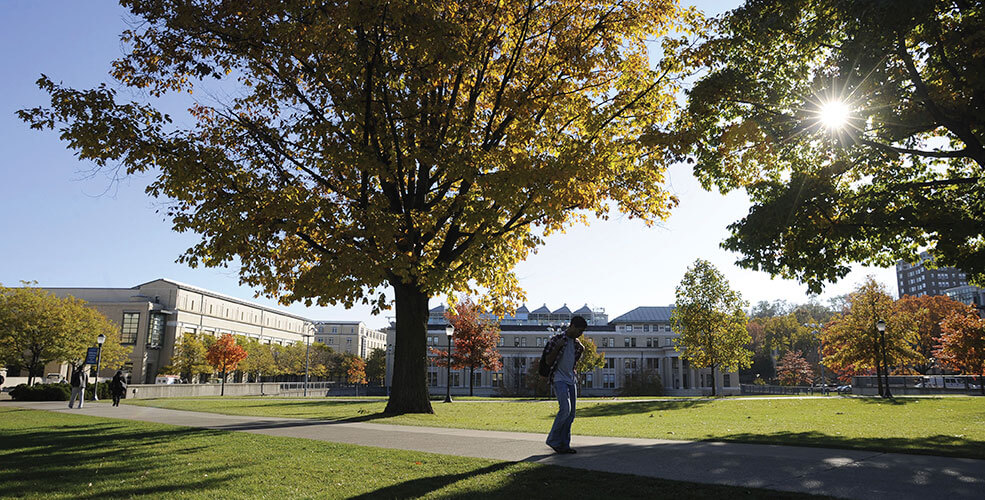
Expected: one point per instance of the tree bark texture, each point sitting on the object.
(409, 392)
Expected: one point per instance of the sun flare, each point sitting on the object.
(834, 114)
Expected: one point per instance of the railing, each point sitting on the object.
(781, 389)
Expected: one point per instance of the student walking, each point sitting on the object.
(118, 387)
(79, 380)
(562, 353)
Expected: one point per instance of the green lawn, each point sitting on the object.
(55, 455)
(936, 426)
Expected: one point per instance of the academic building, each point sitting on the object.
(921, 278)
(640, 339)
(352, 337)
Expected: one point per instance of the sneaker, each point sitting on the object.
(563, 451)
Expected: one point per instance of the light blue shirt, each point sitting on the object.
(566, 365)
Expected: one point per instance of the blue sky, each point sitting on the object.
(61, 227)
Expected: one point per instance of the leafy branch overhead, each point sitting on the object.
(904, 170)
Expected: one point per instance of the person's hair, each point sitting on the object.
(579, 322)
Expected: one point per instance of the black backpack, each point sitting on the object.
(543, 368)
(77, 378)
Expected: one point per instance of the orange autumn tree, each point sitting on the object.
(355, 369)
(928, 311)
(224, 355)
(793, 369)
(962, 344)
(476, 338)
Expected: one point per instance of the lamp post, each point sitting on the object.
(450, 332)
(881, 326)
(307, 347)
(815, 329)
(99, 357)
(386, 368)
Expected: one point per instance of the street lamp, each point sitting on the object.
(449, 331)
(815, 329)
(307, 347)
(386, 367)
(99, 357)
(881, 326)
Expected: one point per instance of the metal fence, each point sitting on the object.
(782, 389)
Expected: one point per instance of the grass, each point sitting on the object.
(935, 426)
(54, 455)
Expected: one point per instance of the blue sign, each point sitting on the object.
(92, 355)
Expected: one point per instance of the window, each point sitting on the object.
(210, 308)
(587, 381)
(497, 379)
(649, 342)
(629, 363)
(608, 381)
(652, 363)
(193, 305)
(726, 380)
(335, 329)
(432, 379)
(612, 342)
(456, 379)
(477, 379)
(540, 341)
(646, 328)
(128, 332)
(523, 341)
(632, 342)
(155, 330)
(629, 328)
(626, 341)
(516, 341)
(610, 363)
(674, 362)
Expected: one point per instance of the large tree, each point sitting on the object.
(793, 369)
(367, 145)
(903, 172)
(928, 311)
(376, 366)
(37, 328)
(962, 345)
(710, 320)
(259, 358)
(853, 344)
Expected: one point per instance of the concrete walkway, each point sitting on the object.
(841, 473)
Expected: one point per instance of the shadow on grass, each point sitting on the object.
(529, 480)
(940, 445)
(49, 459)
(636, 407)
(876, 400)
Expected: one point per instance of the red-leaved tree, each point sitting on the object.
(962, 345)
(793, 369)
(928, 311)
(475, 339)
(224, 355)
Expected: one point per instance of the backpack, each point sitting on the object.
(543, 368)
(77, 378)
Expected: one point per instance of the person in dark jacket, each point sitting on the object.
(79, 381)
(118, 387)
(563, 351)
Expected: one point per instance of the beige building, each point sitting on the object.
(153, 315)
(353, 337)
(639, 339)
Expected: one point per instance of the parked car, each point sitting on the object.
(167, 379)
(844, 389)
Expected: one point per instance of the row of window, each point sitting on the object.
(131, 325)
(225, 311)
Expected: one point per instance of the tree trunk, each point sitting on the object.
(714, 382)
(32, 368)
(222, 390)
(471, 379)
(879, 376)
(409, 389)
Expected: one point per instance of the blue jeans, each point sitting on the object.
(560, 436)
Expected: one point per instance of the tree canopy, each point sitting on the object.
(188, 359)
(710, 321)
(422, 146)
(903, 172)
(225, 355)
(962, 344)
(476, 340)
(36, 328)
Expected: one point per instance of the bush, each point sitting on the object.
(54, 392)
(41, 392)
(642, 383)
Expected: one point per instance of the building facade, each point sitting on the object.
(352, 337)
(921, 279)
(153, 316)
(641, 339)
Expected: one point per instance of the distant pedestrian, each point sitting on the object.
(79, 380)
(563, 352)
(118, 387)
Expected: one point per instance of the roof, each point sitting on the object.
(563, 310)
(223, 296)
(439, 309)
(541, 310)
(522, 309)
(645, 314)
(584, 310)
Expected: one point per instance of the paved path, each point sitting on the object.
(842, 473)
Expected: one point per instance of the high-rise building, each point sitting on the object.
(922, 279)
